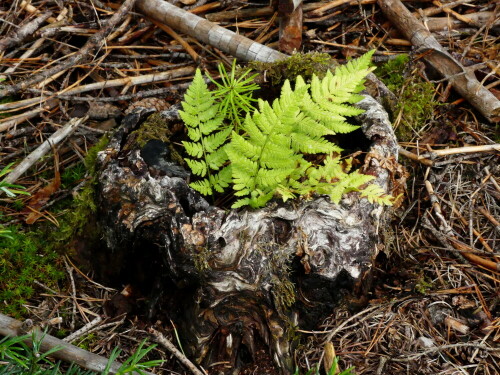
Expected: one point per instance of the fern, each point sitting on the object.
(269, 159)
(208, 135)
(267, 151)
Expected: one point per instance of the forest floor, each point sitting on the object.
(434, 306)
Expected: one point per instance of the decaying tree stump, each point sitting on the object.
(235, 281)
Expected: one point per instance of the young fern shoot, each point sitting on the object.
(234, 93)
(208, 135)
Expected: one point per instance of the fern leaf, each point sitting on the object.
(201, 114)
(221, 180)
(216, 159)
(203, 186)
(194, 149)
(198, 167)
(213, 141)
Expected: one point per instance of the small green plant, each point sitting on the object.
(333, 370)
(16, 357)
(11, 190)
(416, 97)
(267, 153)
(201, 113)
(234, 93)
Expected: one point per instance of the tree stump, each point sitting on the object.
(236, 281)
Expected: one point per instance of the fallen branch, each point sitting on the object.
(10, 122)
(460, 150)
(162, 340)
(208, 32)
(462, 80)
(82, 56)
(128, 81)
(67, 352)
(54, 139)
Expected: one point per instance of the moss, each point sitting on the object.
(35, 253)
(82, 206)
(303, 64)
(201, 258)
(423, 286)
(24, 258)
(155, 127)
(88, 342)
(283, 289)
(416, 102)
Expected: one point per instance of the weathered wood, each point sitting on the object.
(463, 81)
(206, 31)
(236, 280)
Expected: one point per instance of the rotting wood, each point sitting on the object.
(462, 80)
(83, 55)
(236, 265)
(67, 352)
(208, 32)
(290, 29)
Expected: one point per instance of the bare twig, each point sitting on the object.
(461, 150)
(466, 84)
(161, 339)
(206, 31)
(54, 139)
(23, 32)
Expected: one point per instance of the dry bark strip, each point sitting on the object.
(208, 32)
(70, 353)
(462, 80)
(82, 56)
(290, 12)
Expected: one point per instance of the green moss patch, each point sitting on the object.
(416, 102)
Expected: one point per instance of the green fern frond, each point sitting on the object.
(208, 137)
(198, 167)
(267, 148)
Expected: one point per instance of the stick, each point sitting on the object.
(70, 353)
(462, 80)
(208, 32)
(23, 32)
(461, 150)
(82, 56)
(171, 347)
(15, 120)
(412, 156)
(129, 81)
(54, 139)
